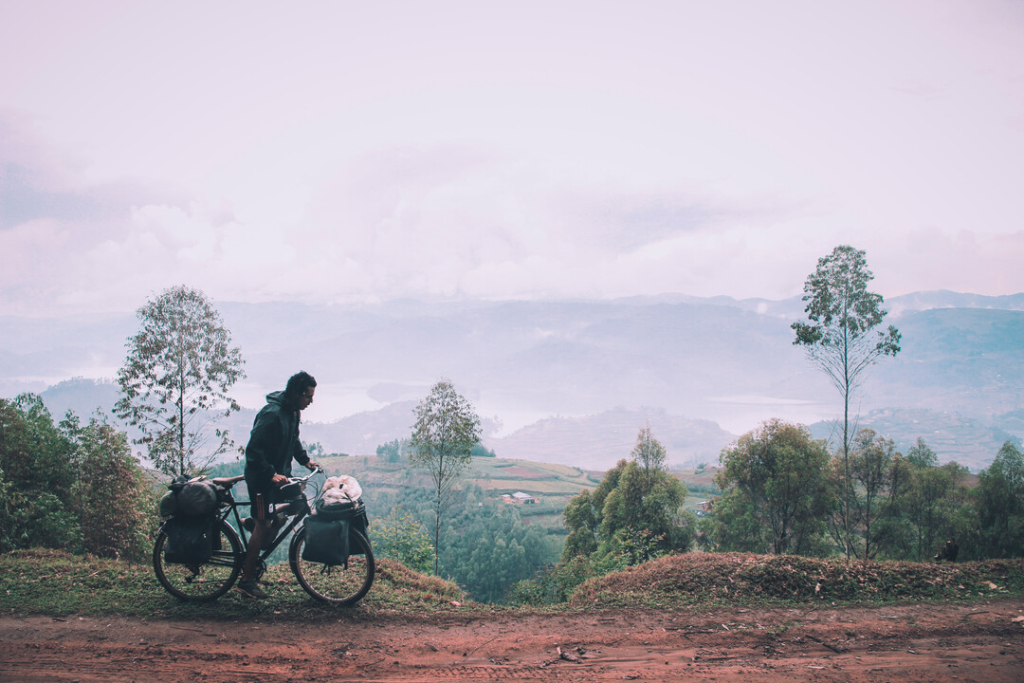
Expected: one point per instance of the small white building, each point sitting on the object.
(519, 497)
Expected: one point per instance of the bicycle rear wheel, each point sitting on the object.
(335, 584)
(201, 581)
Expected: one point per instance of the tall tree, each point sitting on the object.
(775, 491)
(176, 378)
(1000, 495)
(443, 437)
(842, 314)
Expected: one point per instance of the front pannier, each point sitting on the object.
(328, 532)
(326, 540)
(354, 513)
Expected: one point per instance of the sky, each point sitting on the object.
(354, 152)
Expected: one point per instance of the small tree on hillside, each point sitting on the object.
(635, 513)
(1000, 495)
(176, 378)
(775, 491)
(443, 437)
(648, 451)
(119, 503)
(883, 476)
(838, 338)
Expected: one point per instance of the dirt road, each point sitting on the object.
(983, 643)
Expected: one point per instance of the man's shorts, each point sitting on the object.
(260, 499)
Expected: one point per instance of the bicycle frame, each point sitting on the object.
(232, 510)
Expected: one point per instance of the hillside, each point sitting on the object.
(562, 381)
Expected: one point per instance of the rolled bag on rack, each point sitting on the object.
(328, 532)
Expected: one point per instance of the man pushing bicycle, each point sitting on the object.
(273, 444)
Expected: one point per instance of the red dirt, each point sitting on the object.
(980, 643)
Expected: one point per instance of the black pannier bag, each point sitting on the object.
(327, 533)
(190, 539)
(354, 513)
(198, 498)
(326, 540)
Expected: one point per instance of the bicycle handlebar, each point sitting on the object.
(303, 480)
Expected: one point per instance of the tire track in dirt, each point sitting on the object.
(906, 643)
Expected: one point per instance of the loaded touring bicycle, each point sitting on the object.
(201, 546)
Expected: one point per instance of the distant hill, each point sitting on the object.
(953, 437)
(562, 381)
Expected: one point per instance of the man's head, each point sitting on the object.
(299, 390)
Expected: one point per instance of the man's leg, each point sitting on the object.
(247, 584)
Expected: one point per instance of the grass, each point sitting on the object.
(55, 583)
(58, 584)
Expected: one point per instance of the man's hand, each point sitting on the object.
(312, 465)
(279, 480)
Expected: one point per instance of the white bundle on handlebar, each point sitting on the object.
(343, 489)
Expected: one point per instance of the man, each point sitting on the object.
(273, 444)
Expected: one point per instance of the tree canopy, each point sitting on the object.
(635, 513)
(176, 378)
(442, 441)
(775, 492)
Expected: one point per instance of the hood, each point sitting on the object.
(276, 397)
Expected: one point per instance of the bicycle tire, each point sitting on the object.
(201, 581)
(335, 585)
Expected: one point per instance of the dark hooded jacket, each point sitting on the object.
(273, 443)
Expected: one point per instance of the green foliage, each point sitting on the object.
(37, 474)
(648, 451)
(637, 497)
(175, 379)
(1000, 497)
(68, 487)
(119, 511)
(445, 432)
(636, 546)
(553, 584)
(581, 519)
(842, 313)
(920, 455)
(776, 492)
(490, 548)
(645, 501)
(390, 451)
(399, 536)
(481, 451)
(881, 474)
(634, 515)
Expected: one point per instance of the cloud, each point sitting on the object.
(335, 153)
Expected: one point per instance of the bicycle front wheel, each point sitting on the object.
(342, 585)
(201, 581)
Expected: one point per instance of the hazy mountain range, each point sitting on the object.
(573, 381)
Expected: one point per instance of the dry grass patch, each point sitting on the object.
(696, 578)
